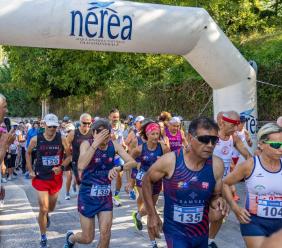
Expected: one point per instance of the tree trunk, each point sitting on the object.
(45, 107)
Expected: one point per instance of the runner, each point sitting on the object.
(148, 153)
(262, 215)
(96, 164)
(134, 140)
(192, 186)
(47, 177)
(68, 171)
(228, 125)
(117, 134)
(175, 135)
(74, 139)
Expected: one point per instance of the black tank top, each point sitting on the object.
(77, 140)
(49, 155)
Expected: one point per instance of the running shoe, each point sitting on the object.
(43, 243)
(138, 223)
(67, 243)
(9, 178)
(3, 180)
(48, 221)
(212, 245)
(116, 201)
(132, 195)
(67, 197)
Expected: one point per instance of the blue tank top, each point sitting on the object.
(96, 173)
(139, 139)
(187, 196)
(149, 157)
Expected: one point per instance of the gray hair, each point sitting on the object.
(2, 97)
(84, 115)
(266, 130)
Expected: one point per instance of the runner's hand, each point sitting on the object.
(220, 204)
(113, 173)
(242, 215)
(100, 137)
(155, 225)
(32, 174)
(57, 170)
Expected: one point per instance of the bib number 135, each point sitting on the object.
(187, 215)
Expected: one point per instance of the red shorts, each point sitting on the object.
(52, 186)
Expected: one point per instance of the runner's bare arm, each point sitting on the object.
(70, 138)
(87, 151)
(239, 145)
(163, 167)
(67, 160)
(32, 145)
(248, 138)
(241, 171)
(165, 148)
(129, 161)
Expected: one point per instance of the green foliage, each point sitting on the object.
(143, 83)
(19, 102)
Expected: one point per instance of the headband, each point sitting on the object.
(236, 122)
(152, 127)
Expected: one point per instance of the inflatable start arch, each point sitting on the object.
(124, 26)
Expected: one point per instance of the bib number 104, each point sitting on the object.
(270, 209)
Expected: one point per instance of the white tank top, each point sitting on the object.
(264, 191)
(224, 149)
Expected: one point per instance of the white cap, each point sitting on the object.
(51, 120)
(174, 120)
(69, 127)
(139, 118)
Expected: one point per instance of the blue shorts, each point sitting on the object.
(174, 241)
(260, 226)
(156, 187)
(90, 206)
(134, 172)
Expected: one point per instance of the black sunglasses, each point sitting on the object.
(206, 139)
(52, 126)
(100, 130)
(86, 123)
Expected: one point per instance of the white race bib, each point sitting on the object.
(100, 190)
(140, 175)
(187, 215)
(51, 160)
(270, 209)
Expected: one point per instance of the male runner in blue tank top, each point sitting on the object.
(96, 168)
(192, 181)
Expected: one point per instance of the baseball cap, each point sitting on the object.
(51, 120)
(139, 118)
(70, 127)
(174, 120)
(66, 119)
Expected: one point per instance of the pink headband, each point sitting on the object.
(152, 127)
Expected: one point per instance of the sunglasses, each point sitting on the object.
(206, 139)
(100, 130)
(86, 123)
(274, 144)
(52, 126)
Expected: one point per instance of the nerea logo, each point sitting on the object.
(251, 121)
(101, 21)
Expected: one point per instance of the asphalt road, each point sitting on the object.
(19, 228)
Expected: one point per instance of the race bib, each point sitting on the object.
(188, 215)
(270, 209)
(51, 160)
(140, 175)
(100, 190)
